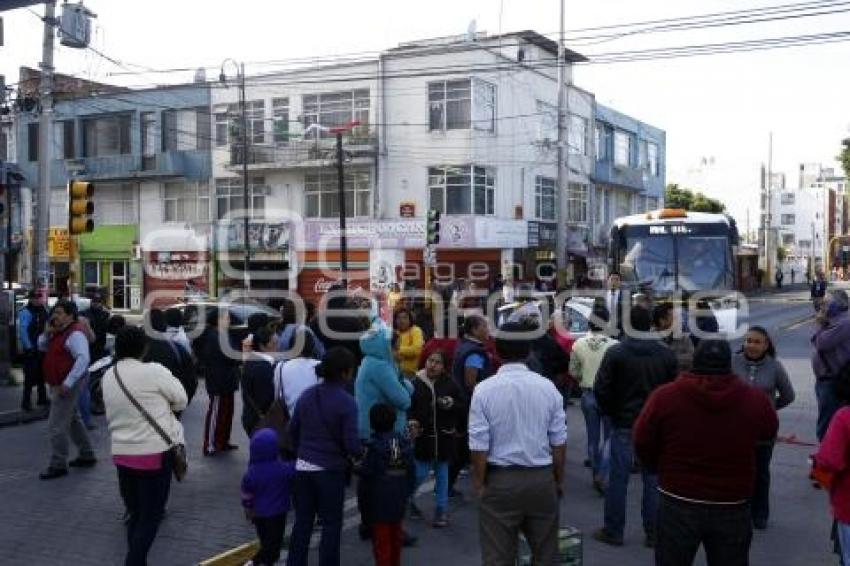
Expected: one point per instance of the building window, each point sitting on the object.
(652, 155)
(461, 105)
(577, 135)
(577, 203)
(32, 142)
(787, 239)
(222, 126)
(788, 198)
(622, 149)
(804, 244)
(335, 109)
(255, 111)
(202, 127)
(108, 135)
(602, 137)
(229, 195)
(548, 116)
(467, 189)
(651, 203)
(116, 204)
(450, 105)
(66, 130)
(787, 219)
(186, 202)
(4, 146)
(280, 119)
(484, 106)
(544, 198)
(321, 192)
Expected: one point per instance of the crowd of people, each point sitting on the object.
(331, 396)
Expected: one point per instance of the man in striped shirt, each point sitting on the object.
(517, 439)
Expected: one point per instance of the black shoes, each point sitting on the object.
(82, 462)
(605, 537)
(53, 473)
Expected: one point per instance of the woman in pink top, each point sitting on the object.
(832, 470)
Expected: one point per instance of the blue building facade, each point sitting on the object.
(134, 146)
(630, 171)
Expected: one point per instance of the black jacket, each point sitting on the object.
(438, 423)
(177, 360)
(98, 320)
(548, 358)
(342, 323)
(220, 370)
(388, 478)
(257, 391)
(629, 372)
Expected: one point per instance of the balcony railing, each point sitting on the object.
(304, 153)
(191, 164)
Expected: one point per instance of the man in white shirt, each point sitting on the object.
(517, 439)
(295, 376)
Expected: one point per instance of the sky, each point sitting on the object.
(718, 110)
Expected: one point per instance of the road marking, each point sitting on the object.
(241, 554)
(798, 323)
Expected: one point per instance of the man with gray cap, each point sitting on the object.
(699, 434)
(831, 354)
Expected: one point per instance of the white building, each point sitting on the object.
(465, 127)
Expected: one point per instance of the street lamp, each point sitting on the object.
(340, 171)
(240, 76)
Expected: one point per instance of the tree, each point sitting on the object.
(676, 197)
(781, 254)
(844, 157)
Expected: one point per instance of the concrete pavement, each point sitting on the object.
(76, 520)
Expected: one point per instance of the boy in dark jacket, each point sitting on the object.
(266, 495)
(434, 412)
(388, 479)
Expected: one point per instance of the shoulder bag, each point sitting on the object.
(277, 416)
(177, 451)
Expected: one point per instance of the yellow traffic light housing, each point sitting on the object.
(80, 207)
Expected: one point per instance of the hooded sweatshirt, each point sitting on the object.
(379, 381)
(265, 486)
(699, 434)
(767, 374)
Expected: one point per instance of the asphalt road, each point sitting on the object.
(76, 520)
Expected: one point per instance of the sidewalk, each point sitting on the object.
(10, 403)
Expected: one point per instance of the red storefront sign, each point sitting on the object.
(169, 274)
(407, 210)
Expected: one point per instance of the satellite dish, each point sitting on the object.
(471, 30)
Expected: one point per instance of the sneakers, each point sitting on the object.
(415, 512)
(53, 473)
(441, 520)
(81, 462)
(605, 537)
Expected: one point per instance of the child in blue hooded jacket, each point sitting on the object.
(266, 495)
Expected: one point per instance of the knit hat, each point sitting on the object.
(713, 357)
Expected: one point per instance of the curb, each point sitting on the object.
(18, 417)
(233, 557)
(797, 322)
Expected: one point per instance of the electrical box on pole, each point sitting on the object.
(75, 26)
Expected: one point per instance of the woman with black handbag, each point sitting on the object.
(147, 439)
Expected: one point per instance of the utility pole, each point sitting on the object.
(42, 263)
(246, 199)
(563, 141)
(768, 261)
(343, 240)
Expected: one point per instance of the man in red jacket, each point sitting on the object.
(699, 434)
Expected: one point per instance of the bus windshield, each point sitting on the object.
(670, 258)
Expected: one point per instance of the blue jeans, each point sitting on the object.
(441, 476)
(84, 402)
(319, 494)
(598, 429)
(842, 530)
(828, 404)
(618, 484)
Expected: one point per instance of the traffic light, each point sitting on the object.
(80, 207)
(432, 227)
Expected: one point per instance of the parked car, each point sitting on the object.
(194, 315)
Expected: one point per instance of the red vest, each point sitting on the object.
(58, 362)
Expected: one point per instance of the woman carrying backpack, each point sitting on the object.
(757, 365)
